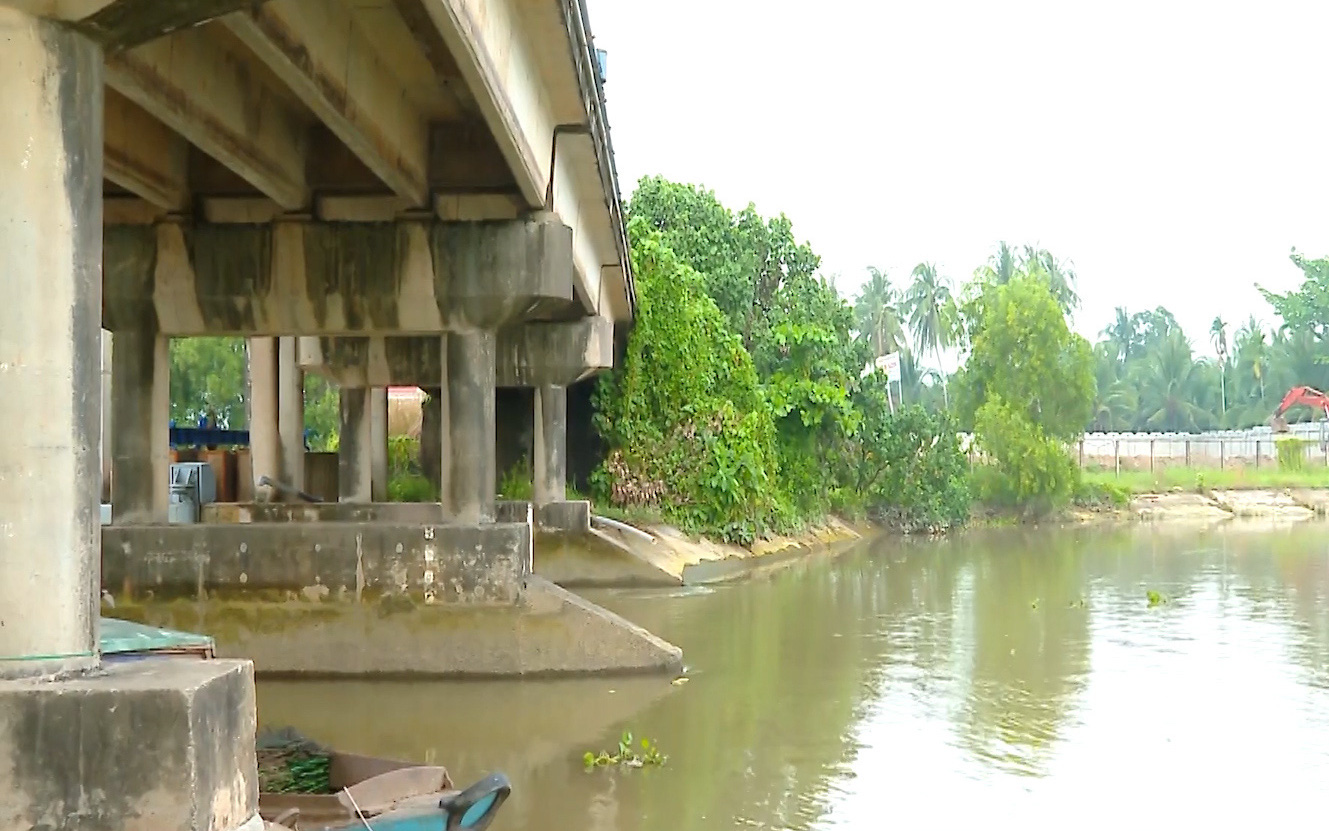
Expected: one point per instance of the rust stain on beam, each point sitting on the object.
(332, 68)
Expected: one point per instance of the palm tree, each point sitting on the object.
(1001, 267)
(1218, 336)
(1253, 350)
(930, 309)
(1123, 334)
(1058, 276)
(1169, 387)
(876, 316)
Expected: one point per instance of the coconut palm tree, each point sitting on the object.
(876, 316)
(1123, 335)
(1169, 387)
(1218, 336)
(1057, 275)
(930, 310)
(1001, 268)
(1253, 351)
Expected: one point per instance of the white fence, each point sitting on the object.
(1217, 449)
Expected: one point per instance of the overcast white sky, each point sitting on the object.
(1174, 151)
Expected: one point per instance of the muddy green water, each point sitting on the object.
(1018, 677)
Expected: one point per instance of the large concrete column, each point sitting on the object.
(141, 441)
(50, 350)
(264, 437)
(291, 413)
(355, 451)
(551, 444)
(470, 406)
(378, 440)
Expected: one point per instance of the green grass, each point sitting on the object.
(1192, 479)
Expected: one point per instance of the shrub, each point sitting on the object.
(1292, 452)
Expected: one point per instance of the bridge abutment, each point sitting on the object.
(161, 742)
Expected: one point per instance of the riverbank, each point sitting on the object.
(643, 550)
(1182, 494)
(647, 552)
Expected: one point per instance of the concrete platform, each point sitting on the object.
(156, 744)
(345, 599)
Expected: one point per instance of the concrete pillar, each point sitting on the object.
(107, 463)
(551, 444)
(434, 455)
(378, 441)
(141, 442)
(291, 413)
(264, 438)
(470, 406)
(50, 364)
(355, 451)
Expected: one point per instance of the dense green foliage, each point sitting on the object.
(739, 408)
(210, 380)
(1028, 389)
(1150, 379)
(690, 429)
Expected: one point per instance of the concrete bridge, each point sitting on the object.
(387, 191)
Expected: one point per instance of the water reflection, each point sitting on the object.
(948, 682)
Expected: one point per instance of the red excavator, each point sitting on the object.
(1309, 396)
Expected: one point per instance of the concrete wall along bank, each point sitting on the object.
(370, 598)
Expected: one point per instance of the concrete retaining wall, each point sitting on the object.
(354, 598)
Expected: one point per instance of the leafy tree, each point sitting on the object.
(689, 427)
(209, 380)
(744, 259)
(1028, 388)
(1307, 308)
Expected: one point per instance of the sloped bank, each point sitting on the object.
(1218, 505)
(615, 554)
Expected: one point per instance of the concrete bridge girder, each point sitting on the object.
(527, 354)
(324, 278)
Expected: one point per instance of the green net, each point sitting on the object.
(291, 763)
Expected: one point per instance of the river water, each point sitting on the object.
(1019, 677)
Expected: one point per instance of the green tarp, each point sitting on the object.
(122, 636)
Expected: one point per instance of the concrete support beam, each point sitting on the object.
(378, 440)
(528, 354)
(470, 389)
(144, 156)
(410, 277)
(264, 433)
(141, 442)
(194, 85)
(355, 451)
(290, 413)
(333, 68)
(551, 445)
(50, 275)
